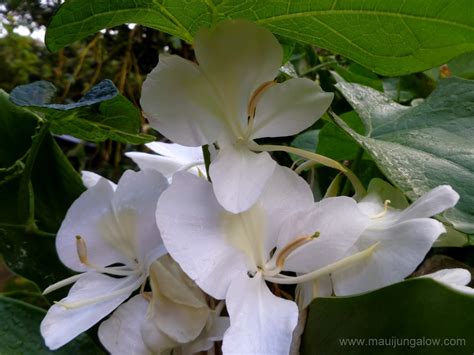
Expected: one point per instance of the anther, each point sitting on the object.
(293, 245)
(384, 212)
(81, 248)
(252, 105)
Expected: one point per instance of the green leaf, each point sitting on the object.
(307, 141)
(410, 311)
(337, 144)
(390, 37)
(19, 332)
(34, 201)
(101, 114)
(421, 147)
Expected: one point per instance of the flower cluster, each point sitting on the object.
(204, 262)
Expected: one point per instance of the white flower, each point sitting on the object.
(231, 98)
(107, 231)
(175, 314)
(455, 279)
(172, 158)
(405, 236)
(230, 256)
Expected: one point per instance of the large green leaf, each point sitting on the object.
(390, 37)
(35, 198)
(101, 114)
(19, 332)
(421, 147)
(418, 310)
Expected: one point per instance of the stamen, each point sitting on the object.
(61, 283)
(295, 244)
(338, 265)
(384, 212)
(252, 105)
(147, 295)
(81, 248)
(100, 298)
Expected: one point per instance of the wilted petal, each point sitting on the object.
(180, 103)
(120, 334)
(290, 107)
(237, 57)
(261, 323)
(401, 249)
(189, 218)
(239, 176)
(179, 308)
(62, 324)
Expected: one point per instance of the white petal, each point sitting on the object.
(290, 107)
(402, 248)
(84, 218)
(120, 334)
(180, 103)
(165, 165)
(239, 177)
(135, 204)
(90, 179)
(339, 224)
(454, 277)
(177, 151)
(238, 56)
(189, 218)
(260, 322)
(61, 324)
(284, 193)
(433, 202)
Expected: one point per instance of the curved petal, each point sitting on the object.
(62, 324)
(239, 177)
(165, 165)
(433, 202)
(260, 322)
(456, 279)
(135, 204)
(238, 57)
(90, 179)
(290, 107)
(180, 103)
(189, 218)
(402, 248)
(177, 151)
(285, 193)
(84, 218)
(120, 334)
(339, 224)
